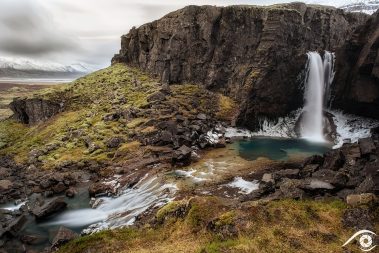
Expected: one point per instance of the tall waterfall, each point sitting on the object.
(316, 95)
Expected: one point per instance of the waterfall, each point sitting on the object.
(316, 95)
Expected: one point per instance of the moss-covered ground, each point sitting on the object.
(210, 224)
(65, 137)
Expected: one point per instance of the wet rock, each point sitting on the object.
(71, 192)
(51, 207)
(35, 200)
(221, 143)
(99, 188)
(361, 199)
(63, 236)
(94, 203)
(14, 228)
(367, 146)
(33, 239)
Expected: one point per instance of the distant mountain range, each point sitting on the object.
(365, 6)
(26, 68)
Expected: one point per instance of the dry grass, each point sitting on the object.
(278, 226)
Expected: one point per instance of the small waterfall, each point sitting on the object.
(316, 95)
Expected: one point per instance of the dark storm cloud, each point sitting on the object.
(28, 29)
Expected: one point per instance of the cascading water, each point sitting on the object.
(316, 95)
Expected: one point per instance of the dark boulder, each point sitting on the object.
(367, 146)
(50, 207)
(115, 142)
(333, 160)
(64, 235)
(34, 110)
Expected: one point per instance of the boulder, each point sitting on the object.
(157, 96)
(50, 207)
(290, 188)
(333, 160)
(287, 173)
(183, 153)
(5, 185)
(63, 236)
(361, 199)
(368, 185)
(71, 192)
(59, 188)
(114, 142)
(366, 145)
(99, 188)
(308, 170)
(14, 228)
(268, 178)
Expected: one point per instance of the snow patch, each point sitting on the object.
(245, 187)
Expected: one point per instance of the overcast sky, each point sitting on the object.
(70, 31)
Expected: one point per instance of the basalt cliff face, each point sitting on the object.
(356, 87)
(255, 55)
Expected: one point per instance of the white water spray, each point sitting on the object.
(316, 95)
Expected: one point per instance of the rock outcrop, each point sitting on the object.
(356, 86)
(33, 110)
(254, 54)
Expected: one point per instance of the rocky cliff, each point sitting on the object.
(356, 86)
(33, 110)
(253, 54)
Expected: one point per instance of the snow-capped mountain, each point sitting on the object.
(365, 6)
(27, 64)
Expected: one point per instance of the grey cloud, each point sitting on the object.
(27, 29)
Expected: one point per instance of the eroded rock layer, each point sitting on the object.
(254, 54)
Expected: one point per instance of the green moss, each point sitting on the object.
(136, 122)
(170, 208)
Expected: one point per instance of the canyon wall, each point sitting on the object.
(256, 55)
(356, 85)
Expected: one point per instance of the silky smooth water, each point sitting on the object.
(279, 148)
